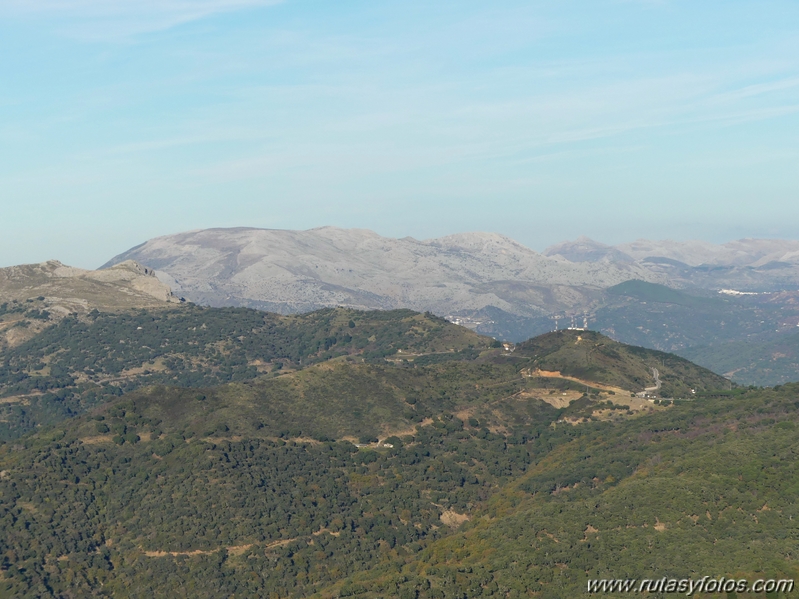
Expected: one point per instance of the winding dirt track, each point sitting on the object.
(656, 374)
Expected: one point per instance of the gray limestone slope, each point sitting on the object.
(290, 271)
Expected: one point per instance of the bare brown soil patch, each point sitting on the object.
(466, 413)
(176, 553)
(560, 400)
(25, 400)
(555, 374)
(281, 543)
(307, 440)
(453, 519)
(27, 506)
(238, 549)
(322, 531)
(550, 535)
(233, 439)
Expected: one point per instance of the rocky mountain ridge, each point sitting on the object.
(295, 271)
(291, 271)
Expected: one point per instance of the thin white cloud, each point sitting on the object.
(101, 19)
(117, 8)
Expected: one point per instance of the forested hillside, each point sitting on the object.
(124, 503)
(173, 493)
(82, 362)
(595, 357)
(242, 454)
(766, 363)
(705, 488)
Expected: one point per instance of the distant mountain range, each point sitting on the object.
(744, 253)
(294, 271)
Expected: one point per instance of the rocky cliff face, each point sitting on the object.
(124, 285)
(33, 296)
(290, 271)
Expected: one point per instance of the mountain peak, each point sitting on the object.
(591, 357)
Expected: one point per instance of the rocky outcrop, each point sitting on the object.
(125, 285)
(34, 296)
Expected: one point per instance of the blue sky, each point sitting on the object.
(121, 120)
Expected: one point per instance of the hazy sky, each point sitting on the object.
(121, 120)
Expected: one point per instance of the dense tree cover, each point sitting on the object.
(704, 488)
(121, 503)
(176, 486)
(333, 400)
(82, 362)
(252, 517)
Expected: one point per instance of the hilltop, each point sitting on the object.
(33, 296)
(747, 337)
(346, 397)
(126, 284)
(595, 358)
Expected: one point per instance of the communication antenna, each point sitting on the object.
(585, 321)
(557, 317)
